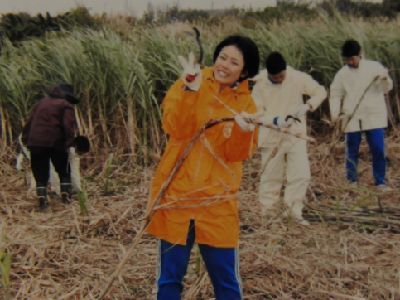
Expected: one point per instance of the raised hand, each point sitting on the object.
(191, 74)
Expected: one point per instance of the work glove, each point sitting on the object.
(256, 117)
(383, 81)
(244, 120)
(71, 153)
(383, 78)
(283, 122)
(302, 110)
(191, 74)
(24, 153)
(383, 75)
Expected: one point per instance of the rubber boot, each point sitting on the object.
(41, 192)
(65, 189)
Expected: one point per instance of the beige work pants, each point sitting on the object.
(290, 164)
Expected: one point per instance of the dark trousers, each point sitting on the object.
(376, 143)
(40, 164)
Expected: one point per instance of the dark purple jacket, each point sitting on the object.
(51, 124)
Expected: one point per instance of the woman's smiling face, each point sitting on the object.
(229, 65)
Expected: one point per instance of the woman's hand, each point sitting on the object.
(243, 120)
(191, 74)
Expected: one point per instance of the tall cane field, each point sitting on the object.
(121, 73)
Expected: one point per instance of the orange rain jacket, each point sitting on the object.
(204, 189)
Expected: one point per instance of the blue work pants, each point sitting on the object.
(375, 139)
(222, 265)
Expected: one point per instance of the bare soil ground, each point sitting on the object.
(351, 250)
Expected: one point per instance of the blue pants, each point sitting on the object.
(375, 139)
(222, 265)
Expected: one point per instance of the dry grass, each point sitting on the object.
(62, 254)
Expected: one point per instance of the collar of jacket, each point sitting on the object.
(263, 77)
(208, 75)
(361, 64)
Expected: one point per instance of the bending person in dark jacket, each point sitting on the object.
(48, 134)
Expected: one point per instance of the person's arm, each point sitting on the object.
(316, 92)
(25, 131)
(69, 125)
(337, 92)
(260, 97)
(179, 120)
(385, 81)
(27, 127)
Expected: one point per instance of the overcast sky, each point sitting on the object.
(131, 7)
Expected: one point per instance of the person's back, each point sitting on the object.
(48, 134)
(50, 125)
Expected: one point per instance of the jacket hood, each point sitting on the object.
(64, 91)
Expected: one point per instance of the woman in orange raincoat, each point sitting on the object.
(200, 205)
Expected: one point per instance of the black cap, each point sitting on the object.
(275, 63)
(351, 48)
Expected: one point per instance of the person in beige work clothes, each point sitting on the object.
(279, 92)
(361, 85)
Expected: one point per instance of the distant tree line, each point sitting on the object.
(387, 9)
(282, 12)
(20, 26)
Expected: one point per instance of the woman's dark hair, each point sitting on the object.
(249, 51)
(275, 63)
(351, 48)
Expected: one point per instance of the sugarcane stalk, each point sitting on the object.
(359, 102)
(389, 218)
(166, 184)
(348, 120)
